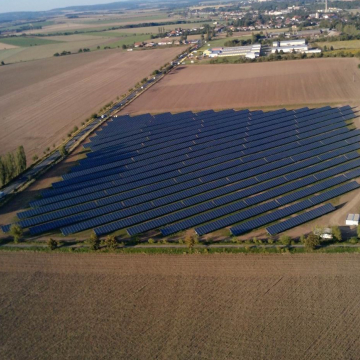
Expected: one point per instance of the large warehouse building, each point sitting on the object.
(289, 46)
(250, 51)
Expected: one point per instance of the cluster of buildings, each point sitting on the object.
(253, 51)
(250, 51)
(291, 46)
(164, 42)
(180, 31)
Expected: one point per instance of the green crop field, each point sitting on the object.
(137, 19)
(26, 41)
(109, 34)
(338, 45)
(127, 40)
(15, 27)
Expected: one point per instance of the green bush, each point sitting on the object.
(52, 244)
(336, 233)
(94, 242)
(311, 242)
(110, 242)
(285, 240)
(353, 240)
(16, 232)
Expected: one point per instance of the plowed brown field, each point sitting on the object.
(59, 306)
(41, 101)
(297, 83)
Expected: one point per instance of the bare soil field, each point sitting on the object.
(41, 101)
(63, 24)
(290, 84)
(48, 51)
(7, 46)
(104, 306)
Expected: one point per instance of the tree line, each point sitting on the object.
(12, 164)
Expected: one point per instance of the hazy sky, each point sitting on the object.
(36, 5)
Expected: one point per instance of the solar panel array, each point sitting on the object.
(207, 170)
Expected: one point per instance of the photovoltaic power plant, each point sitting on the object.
(207, 170)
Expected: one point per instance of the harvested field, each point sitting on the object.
(269, 85)
(48, 51)
(179, 307)
(7, 46)
(41, 101)
(27, 41)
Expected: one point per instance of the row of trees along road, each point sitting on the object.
(11, 165)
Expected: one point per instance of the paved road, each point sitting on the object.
(30, 173)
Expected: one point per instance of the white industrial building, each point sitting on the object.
(250, 51)
(289, 49)
(290, 46)
(286, 43)
(352, 219)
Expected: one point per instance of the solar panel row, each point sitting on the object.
(292, 209)
(210, 162)
(223, 128)
(115, 177)
(163, 199)
(300, 219)
(159, 199)
(78, 195)
(96, 158)
(296, 195)
(228, 209)
(184, 124)
(127, 177)
(279, 128)
(113, 152)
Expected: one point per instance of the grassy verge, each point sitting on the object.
(249, 249)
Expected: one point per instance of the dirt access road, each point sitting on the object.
(290, 84)
(91, 306)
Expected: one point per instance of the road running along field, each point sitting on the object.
(93, 306)
(291, 84)
(42, 101)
